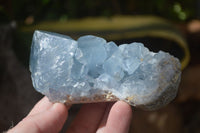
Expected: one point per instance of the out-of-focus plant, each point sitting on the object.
(33, 11)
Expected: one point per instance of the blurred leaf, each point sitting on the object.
(64, 17)
(44, 2)
(1, 8)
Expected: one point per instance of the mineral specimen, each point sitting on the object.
(93, 70)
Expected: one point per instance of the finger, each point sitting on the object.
(119, 118)
(43, 105)
(88, 118)
(49, 121)
(102, 125)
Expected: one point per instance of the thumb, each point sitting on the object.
(50, 120)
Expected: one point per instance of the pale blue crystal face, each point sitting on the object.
(66, 70)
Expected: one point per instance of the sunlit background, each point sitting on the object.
(169, 25)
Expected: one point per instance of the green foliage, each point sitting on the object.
(33, 11)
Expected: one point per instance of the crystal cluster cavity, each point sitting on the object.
(94, 70)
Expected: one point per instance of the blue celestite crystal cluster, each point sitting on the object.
(92, 70)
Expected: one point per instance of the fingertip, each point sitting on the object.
(44, 117)
(88, 118)
(121, 106)
(41, 106)
(119, 118)
(60, 108)
(122, 110)
(45, 98)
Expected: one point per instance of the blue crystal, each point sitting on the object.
(92, 70)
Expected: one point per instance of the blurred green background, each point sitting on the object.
(33, 11)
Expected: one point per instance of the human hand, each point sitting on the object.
(47, 117)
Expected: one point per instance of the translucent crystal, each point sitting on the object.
(93, 70)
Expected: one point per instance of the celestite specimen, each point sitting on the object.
(93, 70)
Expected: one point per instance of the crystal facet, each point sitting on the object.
(93, 70)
